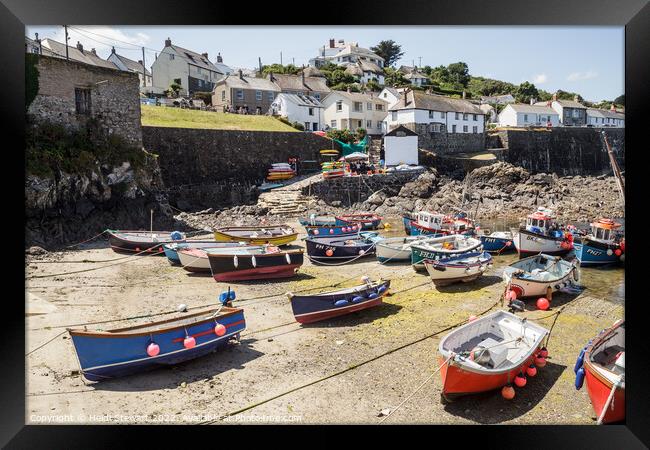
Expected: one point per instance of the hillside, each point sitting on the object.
(161, 116)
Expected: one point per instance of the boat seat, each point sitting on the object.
(494, 356)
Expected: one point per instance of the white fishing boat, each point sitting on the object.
(442, 247)
(532, 276)
(541, 234)
(194, 259)
(464, 268)
(396, 249)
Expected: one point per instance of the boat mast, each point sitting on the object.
(615, 169)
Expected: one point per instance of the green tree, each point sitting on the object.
(439, 75)
(525, 91)
(620, 100)
(389, 50)
(395, 78)
(289, 69)
(458, 74)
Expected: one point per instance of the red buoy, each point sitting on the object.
(540, 361)
(331, 231)
(153, 349)
(543, 352)
(219, 329)
(508, 392)
(520, 380)
(329, 252)
(189, 342)
(618, 252)
(543, 304)
(531, 371)
(472, 318)
(622, 245)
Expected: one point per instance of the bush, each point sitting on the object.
(341, 135)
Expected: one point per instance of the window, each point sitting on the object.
(379, 107)
(82, 100)
(223, 96)
(314, 126)
(369, 106)
(436, 127)
(430, 114)
(171, 57)
(576, 113)
(311, 111)
(258, 96)
(457, 116)
(465, 116)
(339, 106)
(385, 95)
(475, 117)
(368, 124)
(474, 129)
(358, 106)
(317, 96)
(333, 124)
(453, 128)
(307, 126)
(240, 94)
(393, 116)
(464, 128)
(525, 117)
(198, 70)
(271, 96)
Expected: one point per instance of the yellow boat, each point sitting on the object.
(270, 234)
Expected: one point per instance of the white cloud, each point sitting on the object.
(102, 38)
(579, 76)
(540, 78)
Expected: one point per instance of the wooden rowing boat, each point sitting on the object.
(463, 268)
(145, 242)
(339, 249)
(532, 276)
(271, 234)
(367, 221)
(253, 263)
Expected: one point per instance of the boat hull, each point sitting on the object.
(133, 245)
(335, 230)
(592, 253)
(317, 250)
(319, 221)
(528, 243)
(221, 236)
(281, 265)
(443, 274)
(419, 254)
(171, 250)
(370, 222)
(105, 355)
(497, 244)
(526, 288)
(309, 309)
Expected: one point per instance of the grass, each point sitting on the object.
(163, 116)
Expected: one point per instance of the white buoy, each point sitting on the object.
(254, 261)
(182, 307)
(288, 258)
(235, 261)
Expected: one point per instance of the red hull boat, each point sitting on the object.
(487, 353)
(604, 372)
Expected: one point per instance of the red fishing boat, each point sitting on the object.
(489, 353)
(602, 364)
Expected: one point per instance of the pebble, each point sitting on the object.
(383, 412)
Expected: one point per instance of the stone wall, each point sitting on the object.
(114, 97)
(444, 143)
(564, 151)
(346, 191)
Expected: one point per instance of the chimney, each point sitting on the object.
(302, 73)
(36, 39)
(241, 75)
(349, 89)
(219, 58)
(576, 99)
(464, 94)
(205, 55)
(554, 97)
(271, 77)
(80, 47)
(532, 100)
(405, 94)
(93, 51)
(168, 42)
(612, 108)
(140, 62)
(112, 50)
(331, 43)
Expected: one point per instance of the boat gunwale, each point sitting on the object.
(591, 366)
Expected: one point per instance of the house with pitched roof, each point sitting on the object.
(601, 118)
(193, 71)
(51, 47)
(359, 62)
(128, 65)
(523, 115)
(572, 113)
(236, 91)
(301, 84)
(352, 110)
(414, 75)
(304, 109)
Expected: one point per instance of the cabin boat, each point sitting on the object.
(271, 234)
(487, 353)
(318, 221)
(498, 242)
(459, 224)
(602, 245)
(171, 250)
(602, 365)
(427, 223)
(463, 268)
(367, 221)
(532, 276)
(407, 218)
(339, 249)
(145, 242)
(397, 249)
(333, 230)
(541, 235)
(253, 263)
(316, 307)
(118, 352)
(442, 247)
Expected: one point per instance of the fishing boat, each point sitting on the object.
(171, 250)
(407, 218)
(459, 224)
(541, 234)
(339, 249)
(253, 263)
(487, 353)
(602, 365)
(426, 223)
(532, 276)
(194, 260)
(122, 241)
(333, 230)
(367, 221)
(463, 268)
(602, 245)
(443, 247)
(498, 242)
(318, 221)
(271, 234)
(315, 307)
(118, 352)
(396, 249)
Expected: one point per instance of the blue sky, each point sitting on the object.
(587, 60)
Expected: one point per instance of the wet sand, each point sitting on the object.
(276, 354)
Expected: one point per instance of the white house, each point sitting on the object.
(414, 76)
(390, 95)
(78, 53)
(605, 118)
(304, 109)
(522, 115)
(195, 71)
(489, 111)
(436, 112)
(401, 147)
(352, 110)
(338, 52)
(572, 113)
(128, 65)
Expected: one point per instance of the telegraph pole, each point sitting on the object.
(66, 42)
(280, 58)
(420, 63)
(144, 70)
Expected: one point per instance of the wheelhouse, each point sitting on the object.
(429, 220)
(604, 230)
(541, 221)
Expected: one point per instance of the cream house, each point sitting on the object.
(352, 110)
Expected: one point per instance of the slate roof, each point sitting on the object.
(288, 82)
(535, 109)
(75, 54)
(259, 84)
(359, 96)
(355, 50)
(302, 100)
(195, 58)
(433, 102)
(605, 113)
(133, 66)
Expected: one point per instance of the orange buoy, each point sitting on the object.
(543, 303)
(618, 252)
(543, 352)
(219, 329)
(540, 361)
(329, 252)
(189, 342)
(531, 371)
(508, 392)
(520, 380)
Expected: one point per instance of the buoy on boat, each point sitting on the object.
(609, 252)
(329, 252)
(508, 392)
(219, 329)
(235, 261)
(316, 232)
(540, 361)
(520, 380)
(189, 342)
(543, 352)
(543, 303)
(472, 318)
(153, 349)
(617, 252)
(531, 371)
(331, 231)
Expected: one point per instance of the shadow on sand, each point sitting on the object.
(235, 356)
(558, 299)
(356, 318)
(479, 283)
(492, 408)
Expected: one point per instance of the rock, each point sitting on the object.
(336, 203)
(36, 250)
(383, 412)
(377, 198)
(183, 384)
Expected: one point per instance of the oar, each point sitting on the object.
(615, 385)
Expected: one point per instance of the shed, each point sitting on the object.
(401, 147)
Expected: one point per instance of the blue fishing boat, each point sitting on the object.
(318, 221)
(340, 249)
(498, 242)
(118, 352)
(426, 223)
(367, 221)
(332, 230)
(407, 218)
(315, 307)
(603, 245)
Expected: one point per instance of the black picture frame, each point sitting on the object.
(633, 14)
